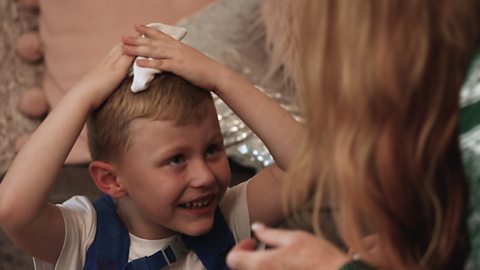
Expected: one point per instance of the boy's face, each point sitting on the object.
(174, 176)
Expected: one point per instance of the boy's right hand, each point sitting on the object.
(101, 81)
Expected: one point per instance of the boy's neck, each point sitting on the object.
(138, 227)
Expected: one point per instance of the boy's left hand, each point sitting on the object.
(171, 55)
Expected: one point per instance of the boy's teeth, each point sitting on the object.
(197, 204)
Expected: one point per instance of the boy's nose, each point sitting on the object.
(201, 174)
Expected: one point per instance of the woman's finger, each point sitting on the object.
(243, 255)
(274, 237)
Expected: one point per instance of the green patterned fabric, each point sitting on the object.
(469, 129)
(356, 265)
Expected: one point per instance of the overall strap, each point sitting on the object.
(109, 250)
(166, 256)
(212, 248)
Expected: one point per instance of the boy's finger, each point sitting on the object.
(147, 63)
(117, 49)
(125, 60)
(151, 32)
(136, 50)
(115, 55)
(135, 41)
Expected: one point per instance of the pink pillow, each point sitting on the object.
(77, 34)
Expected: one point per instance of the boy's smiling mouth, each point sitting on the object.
(196, 204)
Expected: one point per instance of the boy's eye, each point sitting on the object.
(177, 160)
(212, 150)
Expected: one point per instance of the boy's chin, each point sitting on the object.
(198, 229)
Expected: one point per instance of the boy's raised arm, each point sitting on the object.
(25, 214)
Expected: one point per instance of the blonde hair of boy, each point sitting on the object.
(381, 82)
(168, 97)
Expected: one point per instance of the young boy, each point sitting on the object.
(159, 157)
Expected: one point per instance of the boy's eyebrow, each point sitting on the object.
(217, 136)
(172, 149)
(168, 150)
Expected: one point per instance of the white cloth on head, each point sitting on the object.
(143, 76)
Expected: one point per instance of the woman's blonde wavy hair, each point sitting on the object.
(381, 82)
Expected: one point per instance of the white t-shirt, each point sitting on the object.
(80, 223)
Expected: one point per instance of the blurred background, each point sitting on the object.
(46, 46)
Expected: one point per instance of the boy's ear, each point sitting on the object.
(105, 178)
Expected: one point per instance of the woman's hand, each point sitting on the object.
(168, 54)
(287, 250)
